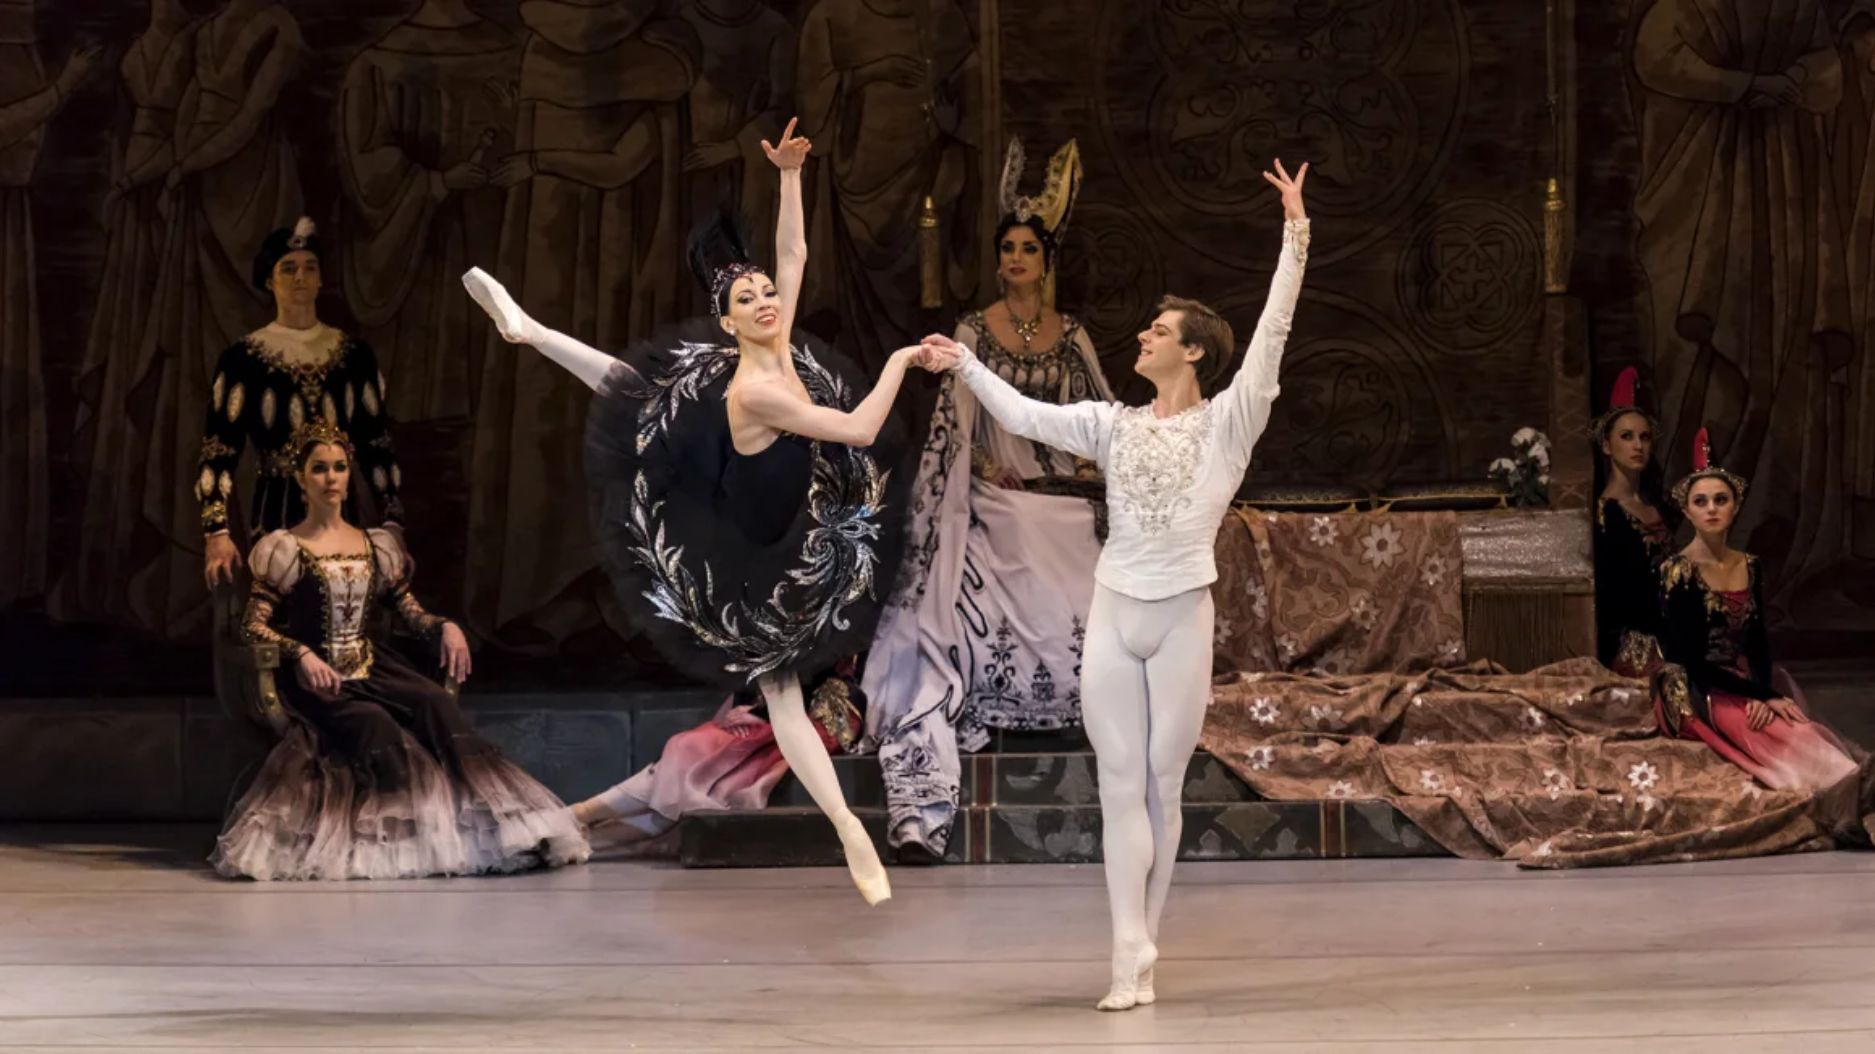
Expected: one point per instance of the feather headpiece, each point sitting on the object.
(1703, 468)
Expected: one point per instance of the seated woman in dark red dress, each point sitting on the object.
(380, 775)
(1718, 684)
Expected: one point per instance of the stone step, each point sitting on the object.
(795, 836)
(1039, 778)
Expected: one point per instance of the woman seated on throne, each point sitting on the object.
(1718, 684)
(984, 631)
(379, 774)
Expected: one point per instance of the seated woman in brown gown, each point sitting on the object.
(1718, 685)
(380, 774)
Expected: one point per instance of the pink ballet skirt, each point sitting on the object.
(728, 762)
(1783, 755)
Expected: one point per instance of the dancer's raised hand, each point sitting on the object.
(1291, 189)
(793, 151)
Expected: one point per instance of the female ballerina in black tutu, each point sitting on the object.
(743, 513)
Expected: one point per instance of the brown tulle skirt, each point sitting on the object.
(390, 781)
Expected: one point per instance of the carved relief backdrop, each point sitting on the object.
(568, 145)
(1415, 348)
(1727, 243)
(565, 145)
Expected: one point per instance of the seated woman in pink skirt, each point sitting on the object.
(730, 761)
(1718, 684)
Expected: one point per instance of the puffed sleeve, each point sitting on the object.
(396, 570)
(275, 564)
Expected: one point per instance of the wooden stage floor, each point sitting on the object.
(119, 939)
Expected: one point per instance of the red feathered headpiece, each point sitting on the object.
(1703, 468)
(1621, 401)
(1621, 397)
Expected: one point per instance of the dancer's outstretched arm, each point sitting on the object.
(1247, 400)
(790, 225)
(771, 404)
(584, 361)
(1080, 428)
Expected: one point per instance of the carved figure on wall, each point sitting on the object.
(424, 115)
(888, 92)
(28, 100)
(234, 179)
(744, 91)
(155, 72)
(1855, 172)
(592, 233)
(1741, 248)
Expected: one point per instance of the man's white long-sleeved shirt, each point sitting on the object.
(1169, 480)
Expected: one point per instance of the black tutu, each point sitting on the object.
(737, 566)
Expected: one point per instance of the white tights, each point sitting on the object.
(806, 753)
(1145, 684)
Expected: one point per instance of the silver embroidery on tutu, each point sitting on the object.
(838, 560)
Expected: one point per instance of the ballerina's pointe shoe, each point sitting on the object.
(862, 861)
(492, 298)
(1128, 971)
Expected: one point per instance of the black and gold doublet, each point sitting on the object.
(266, 385)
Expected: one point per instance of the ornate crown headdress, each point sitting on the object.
(1703, 468)
(1622, 400)
(1059, 188)
(317, 430)
(1052, 206)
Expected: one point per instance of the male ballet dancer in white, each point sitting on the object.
(1171, 469)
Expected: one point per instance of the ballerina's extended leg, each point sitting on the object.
(807, 756)
(582, 360)
(628, 817)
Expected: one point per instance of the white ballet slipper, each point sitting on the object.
(1128, 970)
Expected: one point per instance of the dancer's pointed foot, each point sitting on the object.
(1130, 964)
(1144, 994)
(862, 860)
(507, 315)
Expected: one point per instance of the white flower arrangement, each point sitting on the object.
(1526, 471)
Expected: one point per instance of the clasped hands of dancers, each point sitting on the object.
(702, 459)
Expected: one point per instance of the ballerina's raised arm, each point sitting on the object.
(772, 399)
